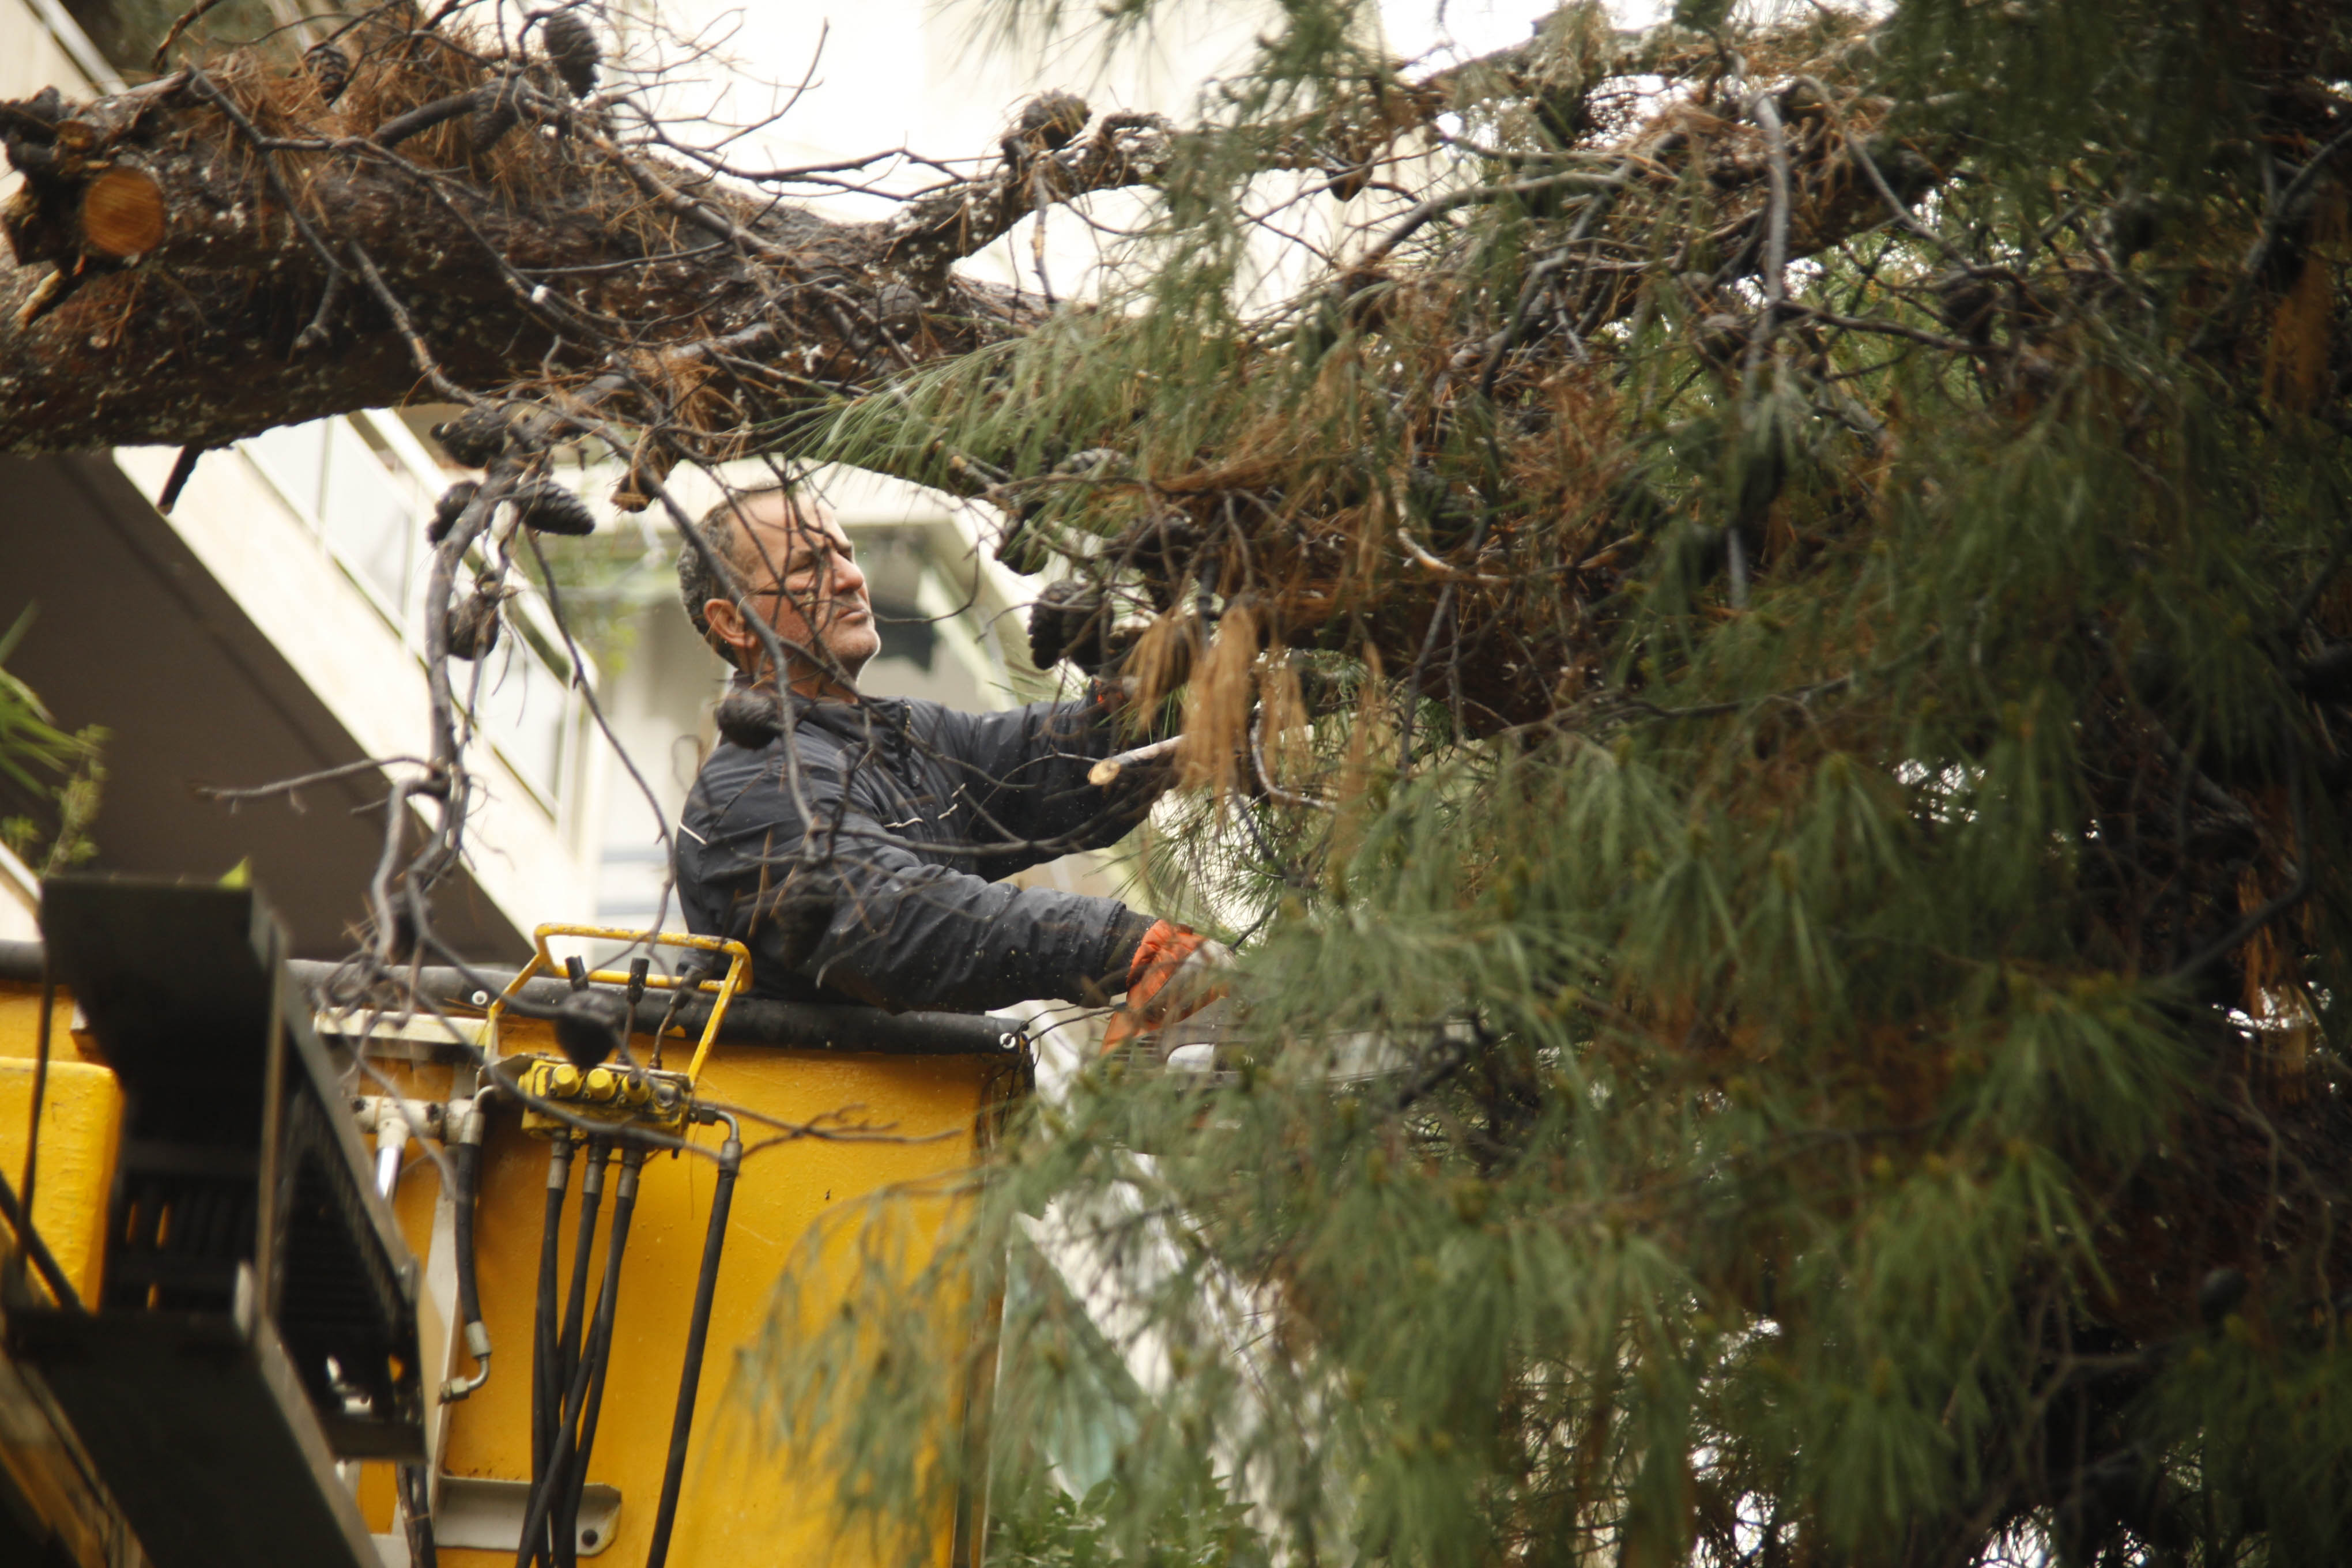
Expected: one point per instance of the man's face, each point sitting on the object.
(797, 565)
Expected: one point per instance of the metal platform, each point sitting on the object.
(199, 1425)
(259, 1316)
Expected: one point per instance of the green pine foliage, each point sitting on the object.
(49, 779)
(1790, 980)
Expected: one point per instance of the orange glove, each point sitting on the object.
(1175, 972)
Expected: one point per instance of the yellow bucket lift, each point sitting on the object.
(250, 1337)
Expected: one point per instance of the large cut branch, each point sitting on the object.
(193, 259)
(234, 247)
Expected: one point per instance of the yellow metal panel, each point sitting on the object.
(740, 1505)
(20, 1020)
(81, 1124)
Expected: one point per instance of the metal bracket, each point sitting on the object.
(481, 1514)
(415, 1037)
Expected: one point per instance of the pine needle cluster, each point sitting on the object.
(1765, 667)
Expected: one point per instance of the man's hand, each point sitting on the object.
(1175, 972)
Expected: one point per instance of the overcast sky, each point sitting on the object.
(893, 72)
(882, 74)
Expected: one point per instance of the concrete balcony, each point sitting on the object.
(248, 638)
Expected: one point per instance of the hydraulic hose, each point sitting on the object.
(563, 1408)
(466, 1164)
(545, 1365)
(546, 1479)
(688, 984)
(575, 1299)
(415, 1507)
(465, 1146)
(730, 1164)
(624, 1203)
(550, 1486)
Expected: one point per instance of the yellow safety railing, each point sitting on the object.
(738, 967)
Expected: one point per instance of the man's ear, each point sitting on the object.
(726, 620)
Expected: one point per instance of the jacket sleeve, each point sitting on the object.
(876, 922)
(1027, 769)
(904, 934)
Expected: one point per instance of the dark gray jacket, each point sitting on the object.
(917, 810)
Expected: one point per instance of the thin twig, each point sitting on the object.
(402, 323)
(1433, 563)
(234, 797)
(1889, 329)
(1767, 114)
(179, 26)
(1438, 207)
(1105, 774)
(2282, 209)
(2307, 867)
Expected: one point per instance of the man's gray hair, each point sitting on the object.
(722, 526)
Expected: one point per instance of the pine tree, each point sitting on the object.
(1760, 654)
(1821, 786)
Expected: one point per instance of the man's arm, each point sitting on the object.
(905, 934)
(871, 919)
(1027, 768)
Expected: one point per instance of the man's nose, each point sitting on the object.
(848, 577)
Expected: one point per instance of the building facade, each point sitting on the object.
(270, 627)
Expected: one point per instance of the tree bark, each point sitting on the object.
(226, 249)
(191, 260)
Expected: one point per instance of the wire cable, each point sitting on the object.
(624, 1203)
(575, 1298)
(564, 1400)
(34, 1247)
(546, 1363)
(535, 1541)
(415, 1487)
(689, 1377)
(21, 1201)
(550, 1486)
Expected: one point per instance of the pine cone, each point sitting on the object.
(551, 508)
(474, 624)
(329, 67)
(1067, 621)
(498, 114)
(898, 310)
(1052, 120)
(572, 45)
(454, 500)
(475, 439)
(1967, 304)
(2327, 676)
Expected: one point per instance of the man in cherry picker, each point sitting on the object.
(853, 842)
